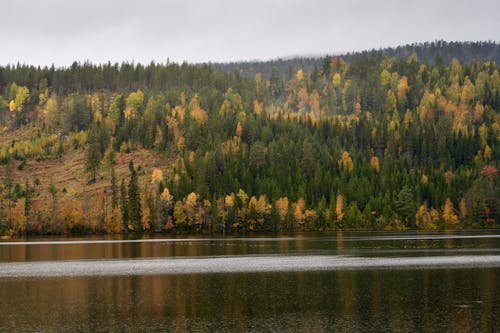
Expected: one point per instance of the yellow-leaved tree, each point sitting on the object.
(426, 218)
(345, 162)
(339, 207)
(385, 77)
(196, 112)
(298, 211)
(229, 201)
(375, 164)
(232, 104)
(336, 80)
(133, 104)
(402, 89)
(448, 214)
(191, 207)
(281, 205)
(427, 107)
(50, 112)
(12, 106)
(156, 176)
(299, 75)
(257, 107)
(357, 106)
(477, 113)
(20, 96)
(262, 207)
(167, 197)
(239, 130)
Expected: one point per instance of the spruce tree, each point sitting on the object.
(134, 200)
(405, 206)
(92, 155)
(124, 206)
(28, 202)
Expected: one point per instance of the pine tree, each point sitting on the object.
(124, 206)
(28, 202)
(134, 200)
(92, 155)
(405, 206)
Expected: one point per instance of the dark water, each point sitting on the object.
(340, 282)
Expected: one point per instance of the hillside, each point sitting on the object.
(429, 52)
(378, 140)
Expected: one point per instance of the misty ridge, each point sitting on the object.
(427, 52)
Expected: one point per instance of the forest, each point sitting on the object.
(377, 140)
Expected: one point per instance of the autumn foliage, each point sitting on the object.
(365, 141)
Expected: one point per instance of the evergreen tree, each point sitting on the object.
(124, 206)
(93, 155)
(134, 200)
(28, 203)
(405, 206)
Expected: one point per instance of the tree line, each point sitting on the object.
(376, 142)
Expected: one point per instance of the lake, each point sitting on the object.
(311, 282)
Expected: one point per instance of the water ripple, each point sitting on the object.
(237, 264)
(438, 236)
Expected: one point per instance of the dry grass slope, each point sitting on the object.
(68, 176)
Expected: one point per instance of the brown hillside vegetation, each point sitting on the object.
(76, 197)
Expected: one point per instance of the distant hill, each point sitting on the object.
(376, 144)
(427, 52)
(465, 52)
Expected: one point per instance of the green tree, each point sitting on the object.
(307, 160)
(134, 199)
(29, 191)
(92, 156)
(20, 99)
(180, 216)
(483, 197)
(124, 206)
(257, 158)
(406, 206)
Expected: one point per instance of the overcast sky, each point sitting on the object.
(62, 31)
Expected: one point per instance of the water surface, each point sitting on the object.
(311, 282)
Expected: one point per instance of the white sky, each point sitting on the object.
(62, 31)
